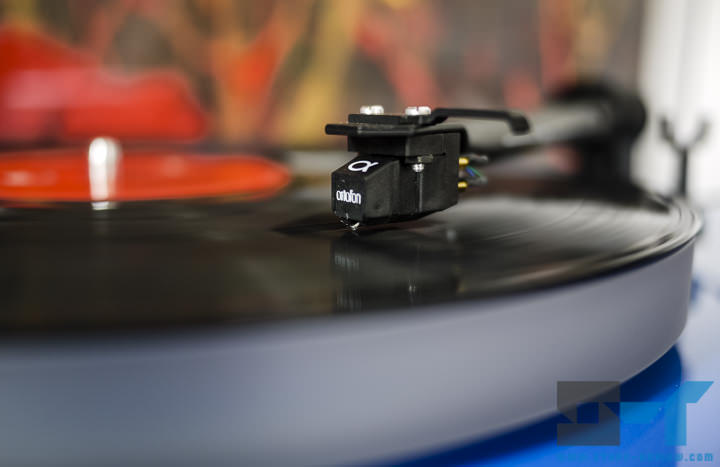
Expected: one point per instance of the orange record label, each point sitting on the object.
(70, 175)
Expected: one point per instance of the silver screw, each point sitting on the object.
(419, 167)
(418, 110)
(372, 109)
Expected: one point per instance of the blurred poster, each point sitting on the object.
(274, 72)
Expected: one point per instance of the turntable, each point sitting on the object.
(189, 305)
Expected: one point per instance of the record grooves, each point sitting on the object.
(170, 264)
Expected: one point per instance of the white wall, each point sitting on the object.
(679, 76)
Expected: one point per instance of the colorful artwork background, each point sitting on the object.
(274, 72)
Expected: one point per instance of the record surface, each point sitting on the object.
(221, 260)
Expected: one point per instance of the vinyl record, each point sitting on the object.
(220, 260)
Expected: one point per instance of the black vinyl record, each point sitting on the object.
(218, 261)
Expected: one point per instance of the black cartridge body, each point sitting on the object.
(397, 178)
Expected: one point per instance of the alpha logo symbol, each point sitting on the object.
(361, 166)
(348, 196)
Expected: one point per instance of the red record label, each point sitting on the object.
(66, 175)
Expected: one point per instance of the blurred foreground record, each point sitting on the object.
(253, 252)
